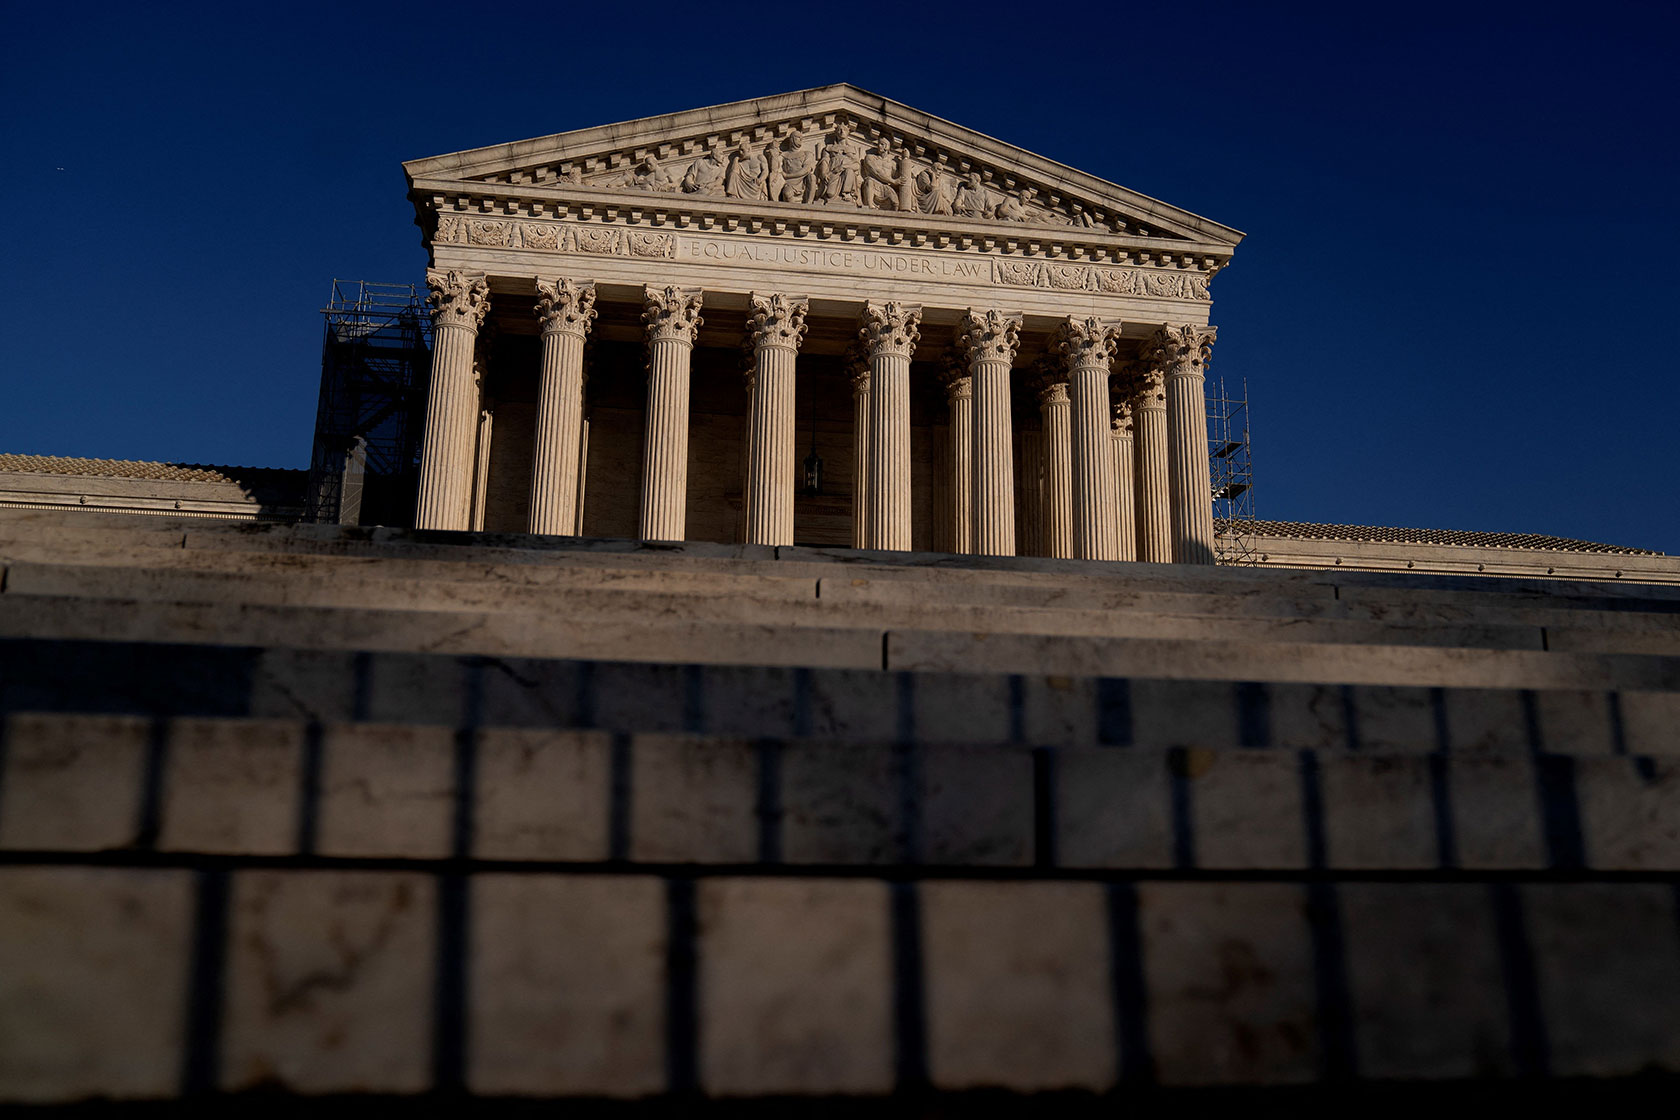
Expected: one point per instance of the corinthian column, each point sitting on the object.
(959, 400)
(857, 370)
(1056, 505)
(890, 331)
(1125, 512)
(565, 308)
(776, 325)
(1149, 466)
(990, 339)
(1182, 353)
(1088, 344)
(459, 303)
(672, 316)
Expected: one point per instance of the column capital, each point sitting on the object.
(1085, 342)
(954, 375)
(671, 313)
(989, 336)
(775, 320)
(1049, 379)
(1149, 387)
(891, 327)
(1120, 422)
(856, 363)
(1178, 350)
(565, 306)
(459, 299)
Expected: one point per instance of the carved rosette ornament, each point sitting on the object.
(775, 321)
(565, 306)
(1177, 350)
(671, 313)
(1085, 342)
(459, 299)
(989, 336)
(891, 328)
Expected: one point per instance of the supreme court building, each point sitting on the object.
(819, 318)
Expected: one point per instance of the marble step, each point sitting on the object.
(553, 606)
(254, 787)
(30, 529)
(913, 600)
(1023, 710)
(620, 983)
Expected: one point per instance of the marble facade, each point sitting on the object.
(1006, 354)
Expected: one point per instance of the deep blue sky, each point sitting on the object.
(1456, 306)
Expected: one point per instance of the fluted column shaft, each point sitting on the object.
(1088, 345)
(990, 340)
(1125, 506)
(959, 397)
(447, 455)
(1149, 464)
(565, 309)
(860, 452)
(891, 331)
(1183, 352)
(1057, 502)
(672, 316)
(776, 325)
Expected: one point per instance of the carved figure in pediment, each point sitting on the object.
(706, 174)
(838, 169)
(794, 178)
(647, 175)
(972, 200)
(936, 190)
(880, 167)
(749, 174)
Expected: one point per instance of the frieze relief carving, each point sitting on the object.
(604, 240)
(652, 244)
(600, 240)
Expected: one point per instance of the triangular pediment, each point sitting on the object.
(832, 153)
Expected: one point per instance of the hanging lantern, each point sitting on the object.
(813, 470)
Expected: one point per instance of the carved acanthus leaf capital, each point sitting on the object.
(565, 306)
(989, 336)
(1120, 417)
(891, 327)
(459, 299)
(1180, 349)
(1085, 342)
(954, 375)
(1149, 387)
(671, 313)
(775, 320)
(1049, 379)
(856, 364)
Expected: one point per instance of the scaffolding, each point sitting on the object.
(376, 365)
(1231, 471)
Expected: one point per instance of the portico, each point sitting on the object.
(870, 328)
